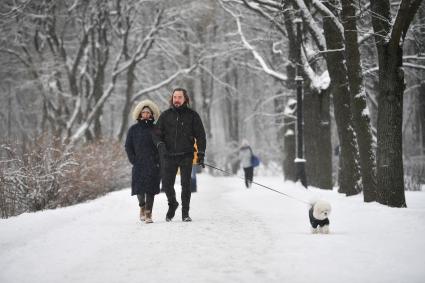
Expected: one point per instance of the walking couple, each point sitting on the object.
(157, 145)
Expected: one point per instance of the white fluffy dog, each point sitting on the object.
(318, 214)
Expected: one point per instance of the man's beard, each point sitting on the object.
(177, 105)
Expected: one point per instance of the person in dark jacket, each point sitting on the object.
(143, 155)
(178, 127)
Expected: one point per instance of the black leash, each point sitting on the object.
(258, 184)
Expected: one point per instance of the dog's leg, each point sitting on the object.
(314, 230)
(325, 229)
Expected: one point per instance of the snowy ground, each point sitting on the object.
(237, 235)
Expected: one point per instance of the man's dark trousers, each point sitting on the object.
(171, 165)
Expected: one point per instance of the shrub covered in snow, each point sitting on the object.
(45, 175)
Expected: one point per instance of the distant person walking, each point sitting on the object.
(245, 157)
(178, 127)
(143, 155)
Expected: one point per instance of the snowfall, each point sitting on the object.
(237, 235)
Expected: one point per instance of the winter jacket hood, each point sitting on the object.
(146, 103)
(245, 155)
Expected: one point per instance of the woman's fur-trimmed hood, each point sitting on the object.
(142, 104)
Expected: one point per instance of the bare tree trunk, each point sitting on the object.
(233, 104)
(288, 130)
(289, 150)
(206, 106)
(390, 120)
(206, 94)
(101, 53)
(232, 108)
(318, 147)
(9, 114)
(127, 104)
(125, 24)
(361, 119)
(188, 80)
(389, 39)
(421, 118)
(349, 177)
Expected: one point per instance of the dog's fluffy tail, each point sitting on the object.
(313, 200)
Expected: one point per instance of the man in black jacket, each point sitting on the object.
(178, 127)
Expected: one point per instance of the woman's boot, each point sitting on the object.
(142, 213)
(148, 216)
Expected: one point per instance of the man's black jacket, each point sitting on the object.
(178, 129)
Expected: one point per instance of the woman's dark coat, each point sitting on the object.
(143, 155)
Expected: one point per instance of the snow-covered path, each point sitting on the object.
(237, 235)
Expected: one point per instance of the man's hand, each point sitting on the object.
(201, 159)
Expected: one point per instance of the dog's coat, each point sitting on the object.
(316, 222)
(318, 214)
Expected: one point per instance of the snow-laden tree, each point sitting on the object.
(349, 175)
(359, 108)
(316, 113)
(390, 32)
(79, 54)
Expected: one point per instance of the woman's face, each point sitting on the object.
(146, 114)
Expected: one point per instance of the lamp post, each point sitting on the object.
(299, 160)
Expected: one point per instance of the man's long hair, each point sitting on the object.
(186, 97)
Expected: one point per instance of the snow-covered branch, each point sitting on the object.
(15, 9)
(397, 28)
(308, 19)
(269, 3)
(328, 13)
(147, 43)
(365, 37)
(406, 11)
(405, 64)
(414, 57)
(331, 50)
(17, 55)
(171, 78)
(251, 48)
(257, 9)
(99, 104)
(371, 70)
(413, 66)
(258, 57)
(216, 79)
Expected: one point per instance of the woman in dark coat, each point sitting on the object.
(143, 155)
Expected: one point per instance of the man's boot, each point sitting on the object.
(185, 215)
(171, 211)
(186, 218)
